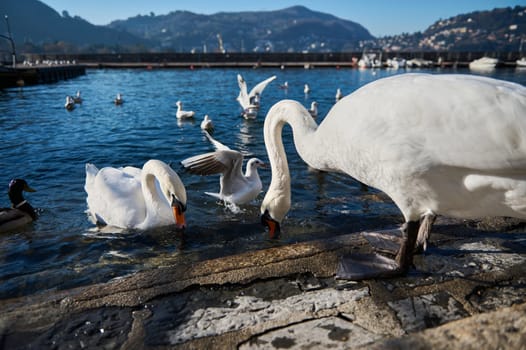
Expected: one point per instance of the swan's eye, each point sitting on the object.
(178, 204)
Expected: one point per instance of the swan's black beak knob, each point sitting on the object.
(178, 209)
(274, 229)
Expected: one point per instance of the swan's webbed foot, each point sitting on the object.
(367, 266)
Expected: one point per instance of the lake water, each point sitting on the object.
(49, 146)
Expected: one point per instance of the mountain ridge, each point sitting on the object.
(37, 28)
(293, 29)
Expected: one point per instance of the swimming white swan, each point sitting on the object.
(306, 89)
(207, 124)
(235, 187)
(21, 212)
(181, 114)
(130, 197)
(250, 102)
(452, 145)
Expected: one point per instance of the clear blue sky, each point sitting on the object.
(380, 17)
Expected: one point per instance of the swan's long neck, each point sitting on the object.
(151, 196)
(303, 127)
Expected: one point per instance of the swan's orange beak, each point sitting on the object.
(178, 210)
(274, 229)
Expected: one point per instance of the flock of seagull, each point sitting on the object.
(436, 144)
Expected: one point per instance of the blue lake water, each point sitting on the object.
(49, 146)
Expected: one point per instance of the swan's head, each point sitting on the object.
(178, 209)
(179, 104)
(171, 187)
(273, 211)
(174, 191)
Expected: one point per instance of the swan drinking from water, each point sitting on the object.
(452, 145)
(130, 197)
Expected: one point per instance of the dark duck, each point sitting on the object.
(21, 212)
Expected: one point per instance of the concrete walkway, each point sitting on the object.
(468, 291)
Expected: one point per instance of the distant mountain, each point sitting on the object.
(37, 26)
(294, 29)
(498, 30)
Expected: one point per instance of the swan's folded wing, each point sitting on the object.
(116, 197)
(258, 89)
(218, 162)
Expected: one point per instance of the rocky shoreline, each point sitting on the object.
(467, 291)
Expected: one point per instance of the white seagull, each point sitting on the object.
(207, 124)
(452, 145)
(70, 104)
(118, 100)
(314, 109)
(181, 114)
(77, 98)
(250, 102)
(339, 94)
(235, 187)
(130, 197)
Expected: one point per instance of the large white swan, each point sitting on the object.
(235, 187)
(130, 197)
(250, 102)
(453, 145)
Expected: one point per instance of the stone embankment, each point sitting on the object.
(468, 291)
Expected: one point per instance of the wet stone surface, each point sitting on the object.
(426, 311)
(457, 295)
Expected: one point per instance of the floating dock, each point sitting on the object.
(43, 74)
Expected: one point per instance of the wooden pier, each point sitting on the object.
(41, 74)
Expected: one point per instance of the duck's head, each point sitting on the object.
(16, 187)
